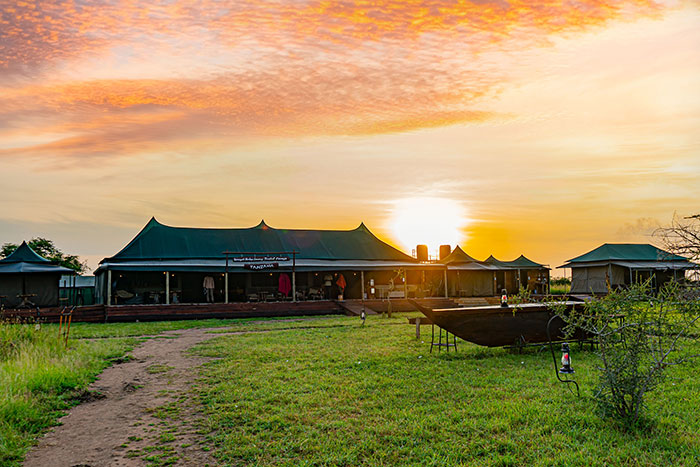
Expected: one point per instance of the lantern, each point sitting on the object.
(504, 299)
(565, 359)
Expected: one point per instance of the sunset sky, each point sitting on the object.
(509, 127)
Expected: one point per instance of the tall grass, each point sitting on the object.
(40, 377)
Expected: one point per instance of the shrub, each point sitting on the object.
(639, 335)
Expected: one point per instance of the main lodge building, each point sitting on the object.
(165, 265)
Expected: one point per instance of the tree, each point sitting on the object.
(47, 249)
(682, 237)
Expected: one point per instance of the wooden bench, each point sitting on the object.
(419, 321)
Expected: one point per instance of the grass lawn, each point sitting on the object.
(40, 379)
(326, 391)
(341, 394)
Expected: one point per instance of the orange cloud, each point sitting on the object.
(262, 68)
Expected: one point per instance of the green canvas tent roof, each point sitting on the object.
(495, 262)
(520, 263)
(626, 252)
(24, 260)
(161, 242)
(24, 254)
(458, 256)
(524, 263)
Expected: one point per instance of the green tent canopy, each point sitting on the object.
(522, 262)
(161, 242)
(458, 256)
(495, 262)
(626, 252)
(24, 254)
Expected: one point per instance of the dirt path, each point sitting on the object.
(143, 412)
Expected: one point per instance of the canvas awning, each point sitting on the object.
(219, 265)
(32, 268)
(637, 265)
(471, 267)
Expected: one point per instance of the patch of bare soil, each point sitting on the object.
(136, 413)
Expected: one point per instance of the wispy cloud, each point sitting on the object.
(128, 77)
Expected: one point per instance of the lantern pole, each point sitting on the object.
(566, 365)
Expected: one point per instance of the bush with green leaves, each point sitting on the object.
(639, 334)
(560, 281)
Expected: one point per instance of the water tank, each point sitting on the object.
(422, 252)
(445, 251)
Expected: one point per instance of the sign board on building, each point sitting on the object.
(259, 259)
(261, 266)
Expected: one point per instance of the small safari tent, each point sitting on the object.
(621, 264)
(29, 280)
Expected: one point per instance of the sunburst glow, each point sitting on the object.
(432, 221)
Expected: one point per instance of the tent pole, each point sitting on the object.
(226, 281)
(446, 294)
(405, 284)
(167, 287)
(362, 279)
(294, 276)
(109, 287)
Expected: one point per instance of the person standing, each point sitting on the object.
(327, 284)
(209, 288)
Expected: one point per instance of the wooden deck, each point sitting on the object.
(125, 313)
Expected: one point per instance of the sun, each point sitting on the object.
(431, 221)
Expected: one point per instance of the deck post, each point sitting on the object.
(362, 279)
(109, 287)
(446, 294)
(405, 284)
(167, 287)
(226, 287)
(418, 328)
(294, 275)
(226, 278)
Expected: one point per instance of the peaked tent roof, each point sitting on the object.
(24, 254)
(524, 263)
(161, 242)
(458, 256)
(495, 262)
(24, 260)
(627, 252)
(521, 262)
